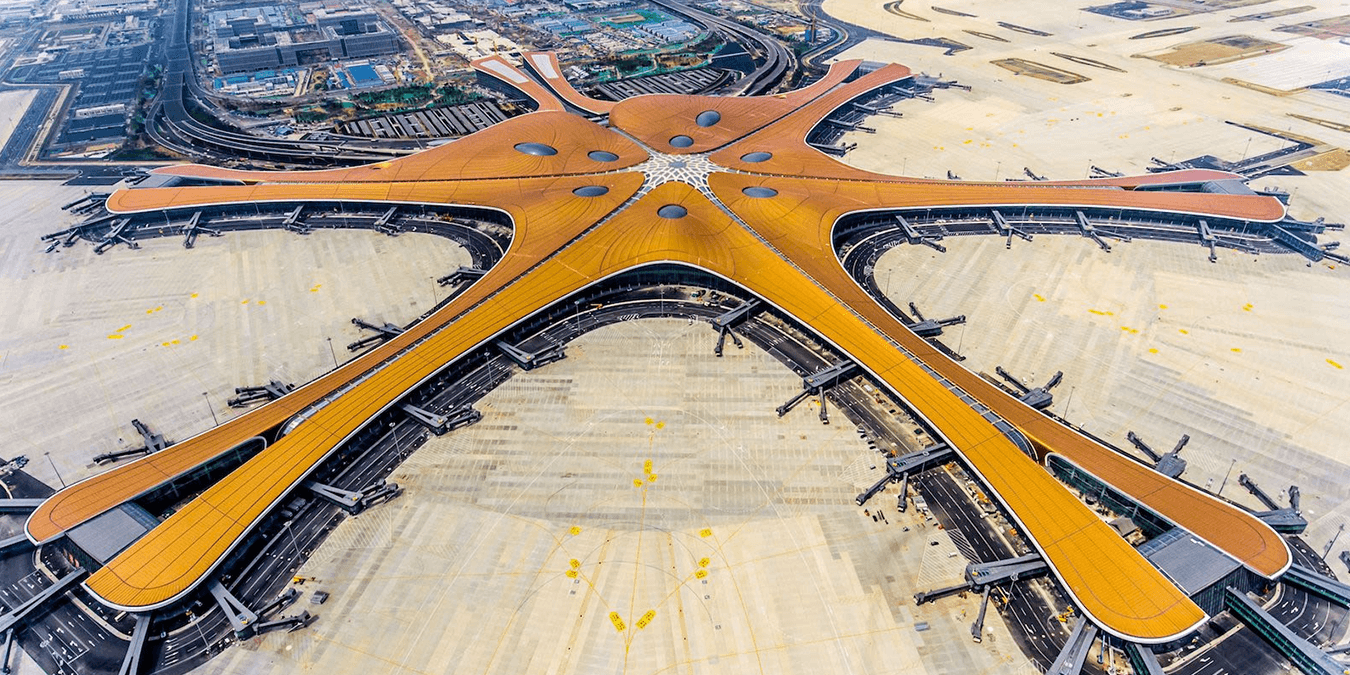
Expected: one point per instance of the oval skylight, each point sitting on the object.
(681, 141)
(536, 149)
(602, 156)
(708, 118)
(672, 211)
(590, 191)
(756, 157)
(759, 192)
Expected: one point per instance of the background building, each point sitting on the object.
(258, 38)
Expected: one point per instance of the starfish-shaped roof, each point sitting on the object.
(756, 206)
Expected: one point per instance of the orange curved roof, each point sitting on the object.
(177, 554)
(478, 156)
(799, 221)
(869, 195)
(546, 215)
(657, 118)
(786, 257)
(786, 140)
(1119, 589)
(507, 73)
(790, 155)
(546, 66)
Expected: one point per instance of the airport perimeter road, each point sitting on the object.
(25, 132)
(848, 34)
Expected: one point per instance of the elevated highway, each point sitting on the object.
(778, 62)
(182, 133)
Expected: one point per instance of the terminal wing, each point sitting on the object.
(546, 214)
(803, 229)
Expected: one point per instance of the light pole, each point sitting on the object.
(290, 529)
(54, 469)
(214, 421)
(1225, 477)
(393, 431)
(330, 351)
(1333, 541)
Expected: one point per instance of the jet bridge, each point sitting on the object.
(981, 576)
(916, 237)
(194, 228)
(87, 203)
(117, 235)
(440, 424)
(1087, 229)
(1170, 464)
(388, 331)
(355, 502)
(461, 273)
(977, 628)
(294, 222)
(153, 443)
(19, 505)
(1207, 238)
(1071, 659)
(830, 376)
(528, 360)
(385, 222)
(9, 651)
(247, 396)
(15, 542)
(1289, 519)
(241, 617)
(289, 624)
(1143, 660)
(20, 612)
(927, 328)
(1039, 398)
(723, 323)
(899, 468)
(1006, 229)
(131, 663)
(817, 383)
